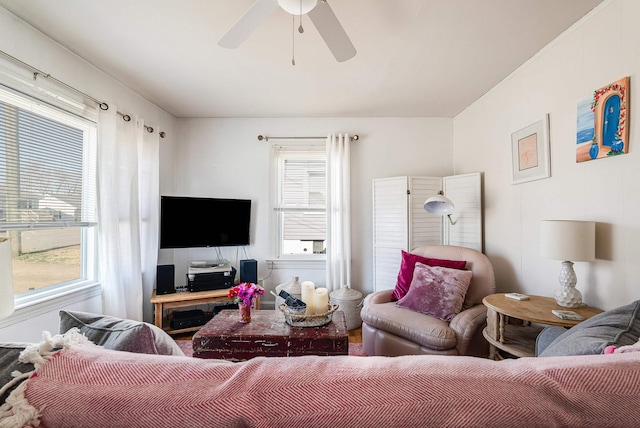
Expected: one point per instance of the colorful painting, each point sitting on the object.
(530, 152)
(602, 122)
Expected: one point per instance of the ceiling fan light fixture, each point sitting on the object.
(298, 7)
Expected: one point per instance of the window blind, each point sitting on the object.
(304, 199)
(47, 165)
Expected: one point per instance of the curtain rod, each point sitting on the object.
(149, 129)
(264, 137)
(103, 106)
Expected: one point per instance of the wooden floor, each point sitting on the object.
(355, 336)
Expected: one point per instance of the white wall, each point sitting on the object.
(223, 158)
(25, 43)
(601, 48)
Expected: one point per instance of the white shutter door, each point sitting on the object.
(424, 228)
(390, 230)
(465, 192)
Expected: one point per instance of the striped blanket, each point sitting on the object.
(87, 386)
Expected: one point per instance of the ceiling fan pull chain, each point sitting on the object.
(300, 29)
(293, 40)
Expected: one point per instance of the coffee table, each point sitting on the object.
(268, 335)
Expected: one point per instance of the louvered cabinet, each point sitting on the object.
(401, 223)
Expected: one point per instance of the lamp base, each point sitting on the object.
(567, 295)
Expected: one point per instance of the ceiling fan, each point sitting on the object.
(319, 12)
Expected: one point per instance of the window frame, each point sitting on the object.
(279, 153)
(66, 110)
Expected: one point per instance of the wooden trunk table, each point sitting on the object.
(268, 335)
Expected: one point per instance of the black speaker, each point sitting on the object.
(165, 279)
(249, 271)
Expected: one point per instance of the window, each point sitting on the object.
(299, 201)
(47, 193)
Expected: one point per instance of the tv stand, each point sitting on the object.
(167, 302)
(170, 302)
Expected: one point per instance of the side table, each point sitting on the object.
(509, 322)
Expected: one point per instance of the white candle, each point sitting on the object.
(321, 300)
(307, 289)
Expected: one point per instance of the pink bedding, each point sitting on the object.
(86, 386)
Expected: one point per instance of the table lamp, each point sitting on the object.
(569, 241)
(6, 279)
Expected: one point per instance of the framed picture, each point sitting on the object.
(603, 122)
(530, 152)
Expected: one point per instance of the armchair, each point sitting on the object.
(390, 330)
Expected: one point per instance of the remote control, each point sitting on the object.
(517, 296)
(291, 301)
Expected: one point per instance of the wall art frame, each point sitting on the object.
(530, 158)
(603, 122)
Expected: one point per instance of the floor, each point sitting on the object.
(355, 336)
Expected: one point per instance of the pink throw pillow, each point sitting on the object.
(437, 291)
(407, 266)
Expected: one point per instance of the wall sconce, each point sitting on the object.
(7, 304)
(440, 205)
(569, 241)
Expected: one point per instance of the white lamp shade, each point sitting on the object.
(439, 205)
(6, 279)
(568, 240)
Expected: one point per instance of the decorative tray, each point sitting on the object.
(304, 320)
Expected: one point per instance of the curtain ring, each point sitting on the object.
(126, 118)
(149, 129)
(162, 134)
(104, 106)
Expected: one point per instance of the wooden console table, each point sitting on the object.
(181, 300)
(509, 321)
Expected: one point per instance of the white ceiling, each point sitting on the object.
(415, 57)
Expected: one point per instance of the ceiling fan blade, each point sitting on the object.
(241, 30)
(332, 32)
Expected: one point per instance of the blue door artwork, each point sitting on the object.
(603, 122)
(611, 121)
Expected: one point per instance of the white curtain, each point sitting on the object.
(338, 212)
(128, 194)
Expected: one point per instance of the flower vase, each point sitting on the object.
(594, 150)
(245, 313)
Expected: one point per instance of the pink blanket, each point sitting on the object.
(85, 386)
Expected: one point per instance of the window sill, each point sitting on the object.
(35, 304)
(296, 263)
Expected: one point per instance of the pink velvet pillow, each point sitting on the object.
(437, 291)
(406, 271)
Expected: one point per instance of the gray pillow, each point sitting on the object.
(547, 336)
(619, 326)
(120, 334)
(8, 363)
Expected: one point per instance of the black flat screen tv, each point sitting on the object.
(188, 222)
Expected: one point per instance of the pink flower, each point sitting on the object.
(246, 293)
